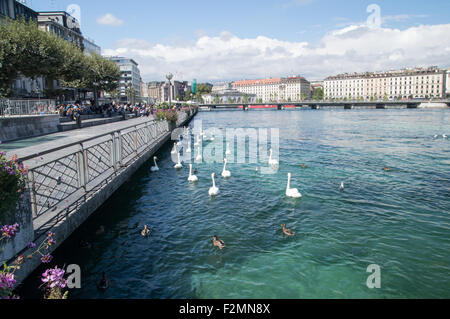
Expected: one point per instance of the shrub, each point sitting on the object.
(12, 184)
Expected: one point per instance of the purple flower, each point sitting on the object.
(7, 281)
(9, 231)
(46, 259)
(54, 278)
(31, 245)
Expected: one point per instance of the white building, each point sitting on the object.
(130, 76)
(228, 95)
(288, 89)
(400, 84)
(447, 83)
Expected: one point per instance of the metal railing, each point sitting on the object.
(27, 107)
(63, 178)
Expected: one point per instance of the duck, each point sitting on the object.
(213, 191)
(444, 135)
(103, 284)
(304, 166)
(178, 165)
(100, 230)
(341, 188)
(286, 231)
(85, 245)
(192, 178)
(146, 231)
(174, 149)
(292, 192)
(272, 162)
(387, 169)
(435, 136)
(199, 157)
(155, 168)
(218, 243)
(225, 173)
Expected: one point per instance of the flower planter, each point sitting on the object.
(22, 216)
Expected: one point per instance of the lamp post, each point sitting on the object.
(169, 77)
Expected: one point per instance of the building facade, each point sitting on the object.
(447, 83)
(130, 77)
(295, 88)
(90, 46)
(63, 25)
(418, 83)
(228, 94)
(14, 9)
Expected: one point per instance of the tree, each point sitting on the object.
(318, 94)
(26, 50)
(216, 98)
(245, 98)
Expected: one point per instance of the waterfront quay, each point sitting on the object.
(71, 177)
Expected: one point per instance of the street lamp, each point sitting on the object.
(169, 77)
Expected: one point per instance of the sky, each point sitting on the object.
(218, 40)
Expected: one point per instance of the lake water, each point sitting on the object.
(399, 220)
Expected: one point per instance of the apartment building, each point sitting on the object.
(398, 84)
(295, 88)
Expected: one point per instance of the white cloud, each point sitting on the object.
(355, 48)
(109, 19)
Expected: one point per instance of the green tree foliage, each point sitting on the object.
(204, 88)
(26, 50)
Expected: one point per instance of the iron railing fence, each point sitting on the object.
(63, 178)
(27, 107)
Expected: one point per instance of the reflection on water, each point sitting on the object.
(398, 220)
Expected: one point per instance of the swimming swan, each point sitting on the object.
(155, 168)
(225, 173)
(178, 165)
(272, 161)
(213, 191)
(292, 192)
(192, 178)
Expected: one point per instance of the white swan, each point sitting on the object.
(213, 191)
(199, 157)
(189, 150)
(192, 178)
(228, 152)
(155, 168)
(178, 165)
(342, 187)
(292, 192)
(272, 161)
(197, 143)
(225, 173)
(174, 149)
(212, 139)
(444, 136)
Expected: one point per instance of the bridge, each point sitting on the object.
(315, 105)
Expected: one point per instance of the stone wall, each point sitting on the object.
(23, 217)
(19, 127)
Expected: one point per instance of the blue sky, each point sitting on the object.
(180, 24)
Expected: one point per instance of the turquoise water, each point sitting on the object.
(399, 220)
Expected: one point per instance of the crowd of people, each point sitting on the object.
(73, 110)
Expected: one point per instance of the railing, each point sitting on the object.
(27, 107)
(62, 179)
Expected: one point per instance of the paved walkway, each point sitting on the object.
(38, 144)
